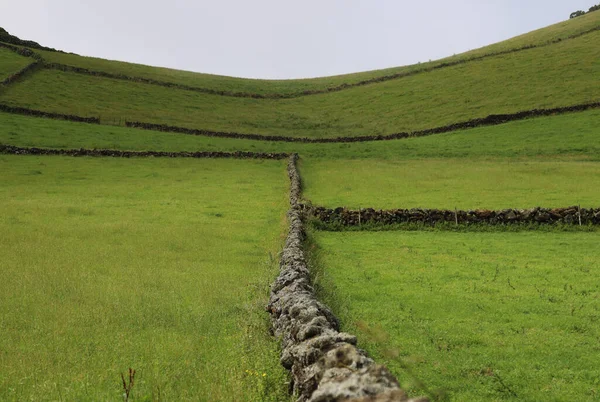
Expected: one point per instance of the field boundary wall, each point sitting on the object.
(22, 73)
(12, 150)
(572, 215)
(490, 120)
(48, 115)
(325, 364)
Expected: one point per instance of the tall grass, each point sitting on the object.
(157, 265)
(471, 316)
(448, 183)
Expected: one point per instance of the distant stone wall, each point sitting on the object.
(21, 73)
(548, 216)
(325, 364)
(491, 120)
(12, 150)
(48, 115)
(104, 74)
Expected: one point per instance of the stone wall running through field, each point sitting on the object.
(347, 217)
(12, 150)
(325, 363)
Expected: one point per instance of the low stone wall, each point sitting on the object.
(21, 73)
(325, 364)
(104, 74)
(22, 51)
(491, 120)
(48, 115)
(12, 150)
(347, 217)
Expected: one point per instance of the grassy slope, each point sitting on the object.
(558, 75)
(558, 31)
(11, 62)
(571, 135)
(480, 316)
(473, 183)
(156, 264)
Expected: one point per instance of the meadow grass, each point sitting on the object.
(11, 62)
(448, 183)
(559, 75)
(161, 265)
(554, 32)
(470, 316)
(564, 135)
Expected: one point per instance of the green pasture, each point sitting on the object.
(11, 62)
(545, 35)
(471, 316)
(465, 183)
(559, 75)
(160, 265)
(570, 135)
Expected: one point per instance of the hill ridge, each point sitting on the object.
(282, 95)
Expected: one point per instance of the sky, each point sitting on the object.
(277, 38)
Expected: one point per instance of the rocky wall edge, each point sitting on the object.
(13, 150)
(573, 215)
(325, 364)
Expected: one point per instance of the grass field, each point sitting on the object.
(571, 135)
(502, 84)
(155, 264)
(472, 316)
(466, 183)
(561, 30)
(164, 265)
(11, 62)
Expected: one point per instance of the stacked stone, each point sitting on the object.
(572, 215)
(48, 115)
(21, 73)
(325, 363)
(9, 149)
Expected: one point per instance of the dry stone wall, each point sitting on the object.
(325, 364)
(12, 150)
(21, 73)
(48, 115)
(573, 215)
(491, 120)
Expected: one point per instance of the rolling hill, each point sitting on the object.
(116, 260)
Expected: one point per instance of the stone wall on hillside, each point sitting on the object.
(12, 150)
(38, 113)
(491, 120)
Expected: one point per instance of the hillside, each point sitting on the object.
(284, 88)
(557, 74)
(445, 213)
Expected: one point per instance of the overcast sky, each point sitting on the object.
(277, 38)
